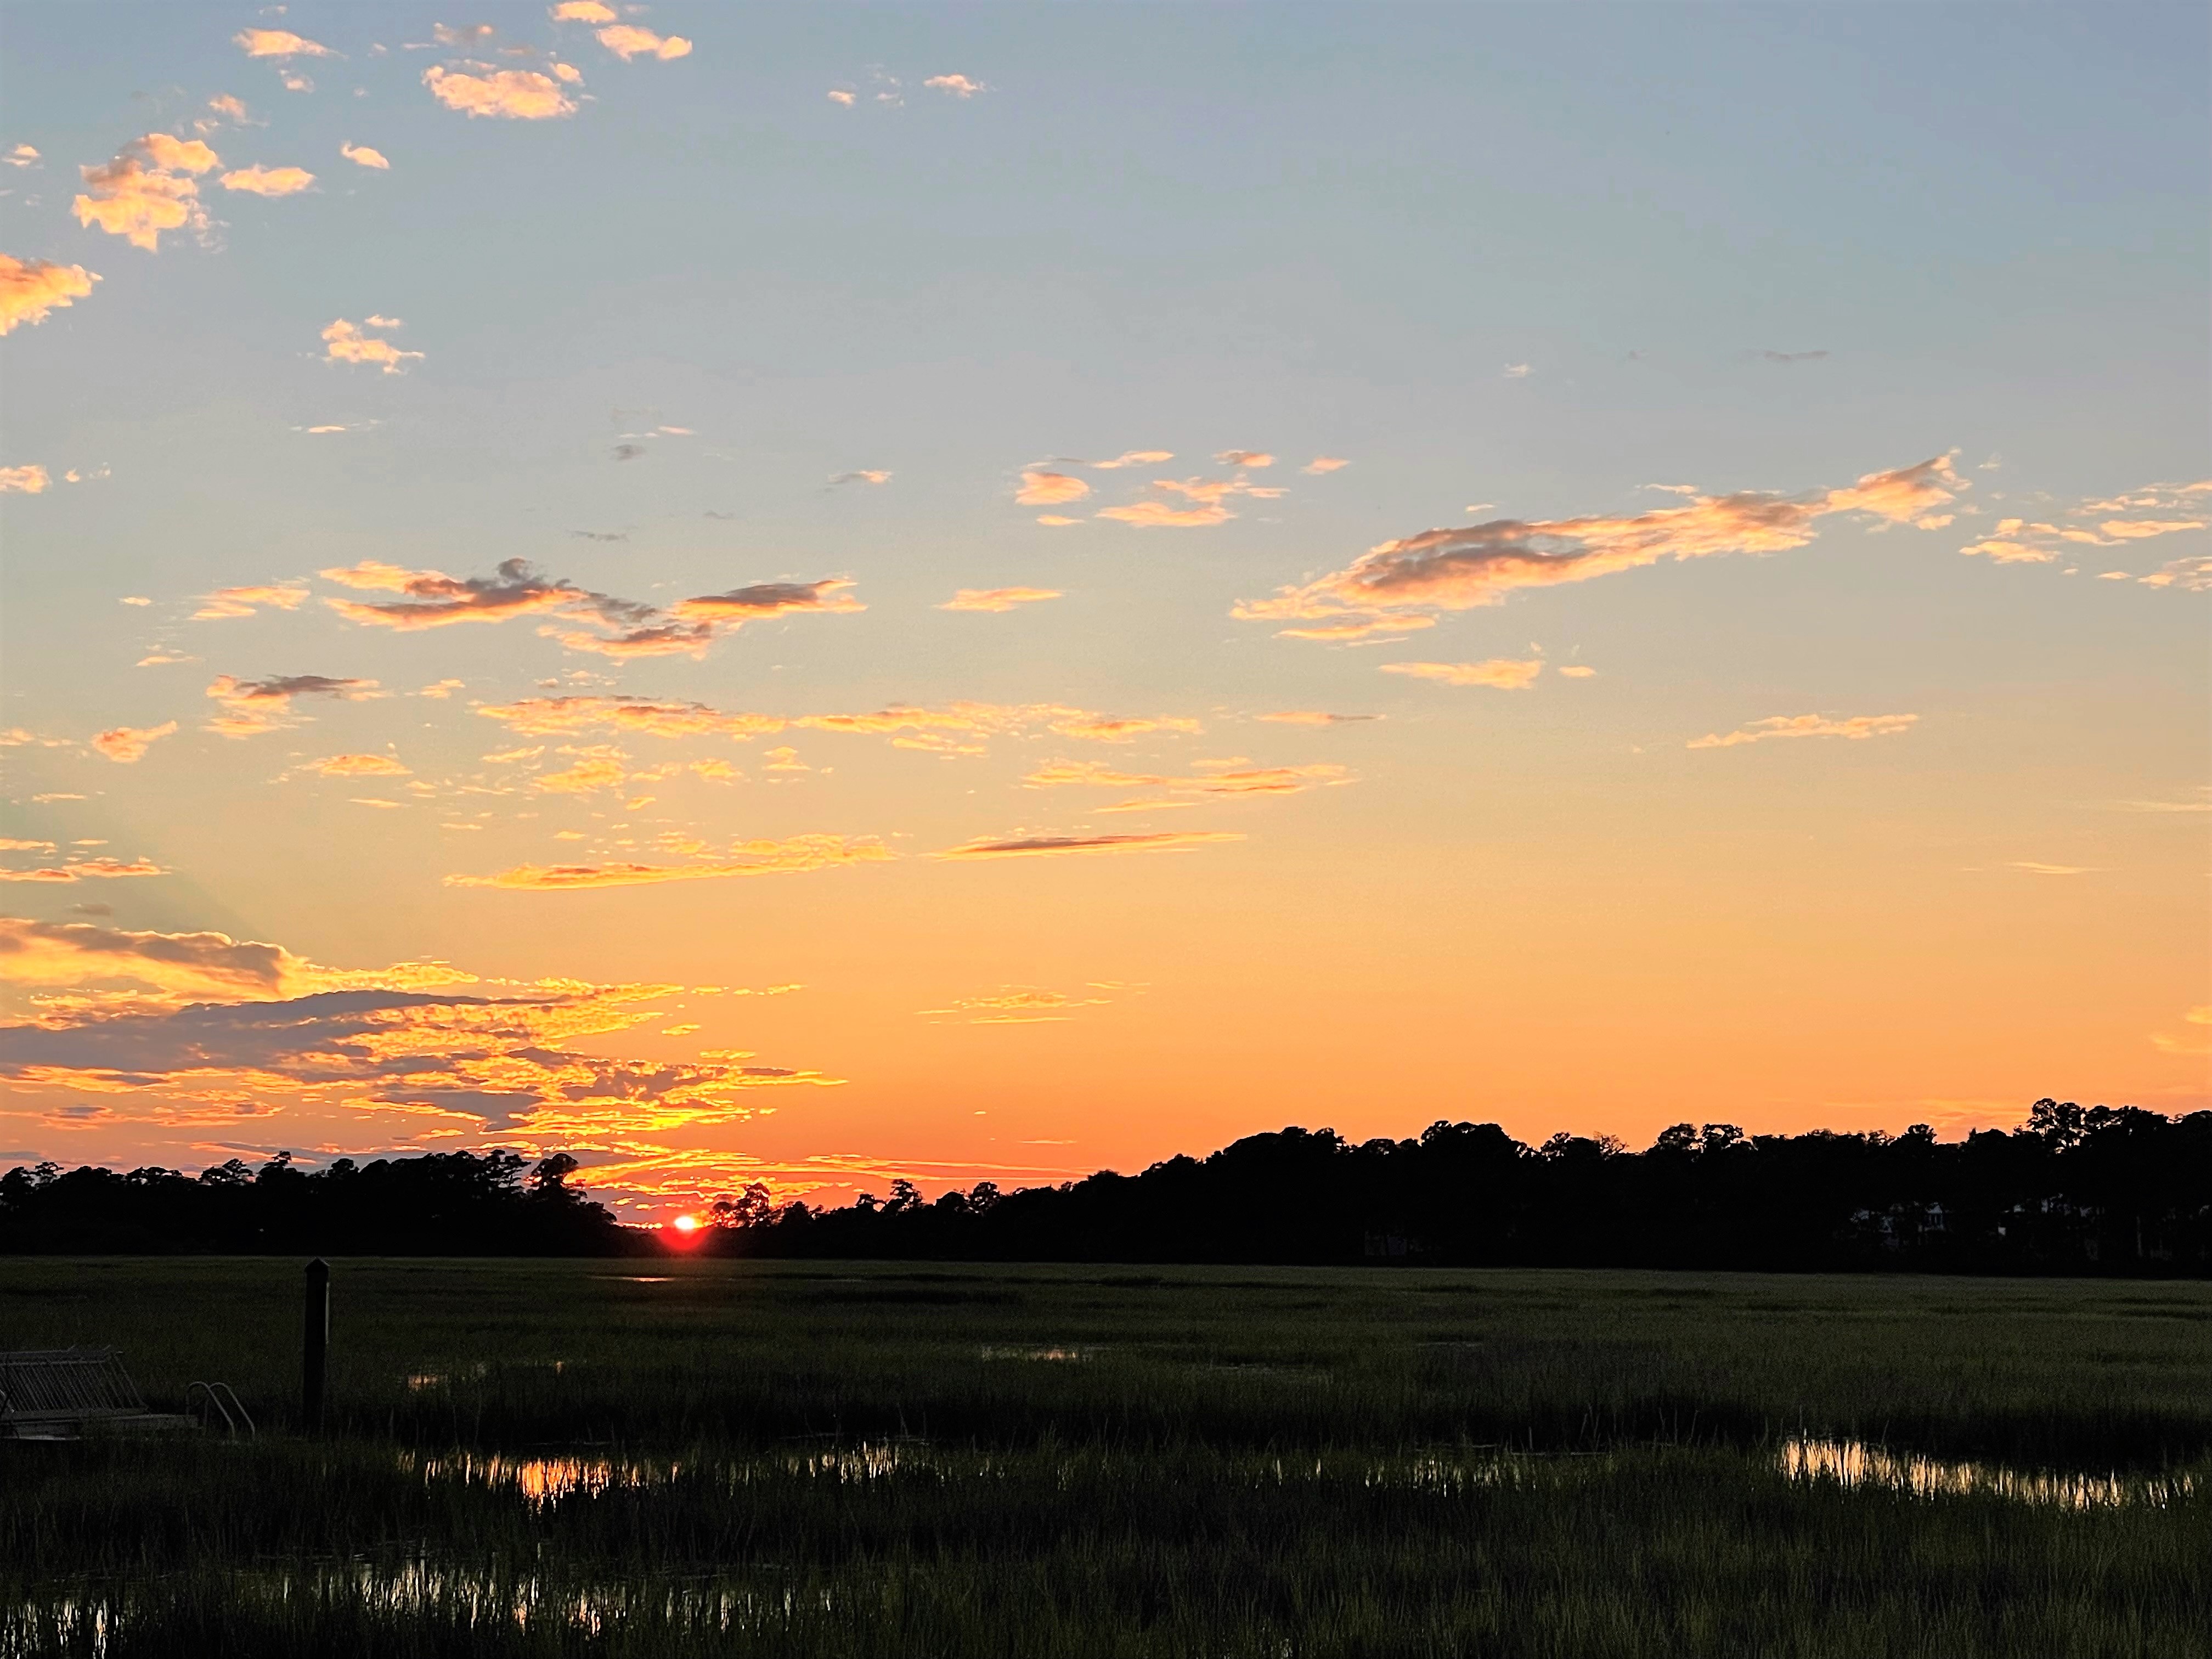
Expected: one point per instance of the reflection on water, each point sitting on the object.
(541, 1480)
(1856, 1463)
(1075, 1354)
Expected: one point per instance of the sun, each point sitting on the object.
(685, 1223)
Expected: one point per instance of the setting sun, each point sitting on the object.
(685, 1223)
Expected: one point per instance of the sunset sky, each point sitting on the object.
(822, 593)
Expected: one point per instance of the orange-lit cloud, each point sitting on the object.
(2191, 575)
(999, 598)
(1134, 458)
(269, 181)
(866, 476)
(1482, 564)
(2031, 541)
(355, 766)
(2198, 1041)
(362, 157)
(1504, 673)
(1158, 515)
(795, 856)
(626, 41)
(1575, 670)
(1322, 464)
(86, 869)
(1014, 1005)
(1029, 846)
(660, 718)
(127, 744)
(1356, 630)
(514, 95)
(278, 43)
(589, 772)
(1808, 725)
(252, 708)
(583, 11)
(1312, 717)
(1043, 488)
(344, 343)
(1216, 778)
(145, 190)
(30, 289)
(226, 603)
(958, 85)
(30, 480)
(1245, 457)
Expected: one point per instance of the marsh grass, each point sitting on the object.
(563, 1458)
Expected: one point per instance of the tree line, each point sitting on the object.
(2101, 1190)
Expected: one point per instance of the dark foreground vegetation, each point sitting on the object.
(839, 1460)
(2100, 1191)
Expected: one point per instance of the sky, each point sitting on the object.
(820, 594)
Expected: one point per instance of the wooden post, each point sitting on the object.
(315, 1353)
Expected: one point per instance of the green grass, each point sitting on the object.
(1239, 1461)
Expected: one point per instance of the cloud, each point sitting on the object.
(230, 602)
(660, 718)
(583, 11)
(1503, 672)
(1792, 357)
(514, 95)
(344, 343)
(1322, 464)
(999, 598)
(269, 181)
(362, 157)
(1517, 371)
(1030, 846)
(1457, 569)
(24, 480)
(1015, 1005)
(126, 744)
(2034, 868)
(223, 104)
(22, 156)
(1575, 670)
(1131, 458)
(2196, 1042)
(589, 773)
(798, 855)
(1312, 717)
(85, 869)
(2031, 541)
(1158, 515)
(1219, 778)
(1809, 726)
(355, 766)
(867, 478)
(1055, 519)
(626, 41)
(1245, 457)
(958, 85)
(2192, 576)
(1040, 489)
(381, 1041)
(144, 190)
(30, 289)
(839, 96)
(253, 707)
(278, 43)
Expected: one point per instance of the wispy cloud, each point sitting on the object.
(252, 708)
(999, 598)
(1245, 457)
(1808, 725)
(2034, 867)
(31, 288)
(1457, 569)
(865, 477)
(226, 603)
(77, 870)
(1312, 717)
(1322, 464)
(1131, 458)
(1790, 356)
(1029, 846)
(31, 480)
(1216, 778)
(795, 856)
(959, 86)
(362, 157)
(127, 744)
(278, 43)
(1014, 1005)
(1505, 673)
(355, 766)
(511, 95)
